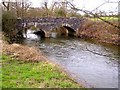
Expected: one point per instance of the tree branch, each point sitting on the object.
(97, 53)
(6, 6)
(95, 15)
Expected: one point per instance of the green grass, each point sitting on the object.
(0, 73)
(105, 18)
(19, 74)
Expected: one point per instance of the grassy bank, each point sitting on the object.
(20, 74)
(100, 31)
(105, 18)
(27, 67)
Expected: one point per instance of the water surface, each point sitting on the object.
(99, 69)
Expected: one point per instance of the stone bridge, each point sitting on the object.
(47, 25)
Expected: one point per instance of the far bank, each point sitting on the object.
(100, 31)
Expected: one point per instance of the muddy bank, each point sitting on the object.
(100, 31)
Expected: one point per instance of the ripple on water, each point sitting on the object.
(96, 70)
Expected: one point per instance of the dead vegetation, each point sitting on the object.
(21, 52)
(100, 31)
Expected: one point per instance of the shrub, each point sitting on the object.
(59, 12)
(9, 29)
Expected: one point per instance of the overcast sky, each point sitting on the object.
(85, 4)
(82, 4)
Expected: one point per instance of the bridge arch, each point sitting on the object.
(66, 30)
(50, 24)
(71, 32)
(40, 33)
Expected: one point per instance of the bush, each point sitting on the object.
(9, 29)
(8, 21)
(59, 12)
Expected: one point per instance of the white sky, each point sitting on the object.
(86, 4)
(82, 4)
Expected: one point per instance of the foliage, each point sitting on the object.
(9, 22)
(73, 14)
(18, 8)
(20, 74)
(60, 12)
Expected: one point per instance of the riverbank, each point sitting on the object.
(100, 31)
(20, 74)
(27, 67)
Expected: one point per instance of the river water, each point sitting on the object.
(89, 63)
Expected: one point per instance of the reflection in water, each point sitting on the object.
(86, 67)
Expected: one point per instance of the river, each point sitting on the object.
(89, 63)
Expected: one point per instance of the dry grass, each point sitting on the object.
(21, 52)
(101, 31)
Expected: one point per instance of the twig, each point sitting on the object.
(90, 13)
(97, 53)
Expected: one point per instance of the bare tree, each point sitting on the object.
(96, 15)
(19, 7)
(6, 5)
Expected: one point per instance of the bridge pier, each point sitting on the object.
(47, 34)
(62, 31)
